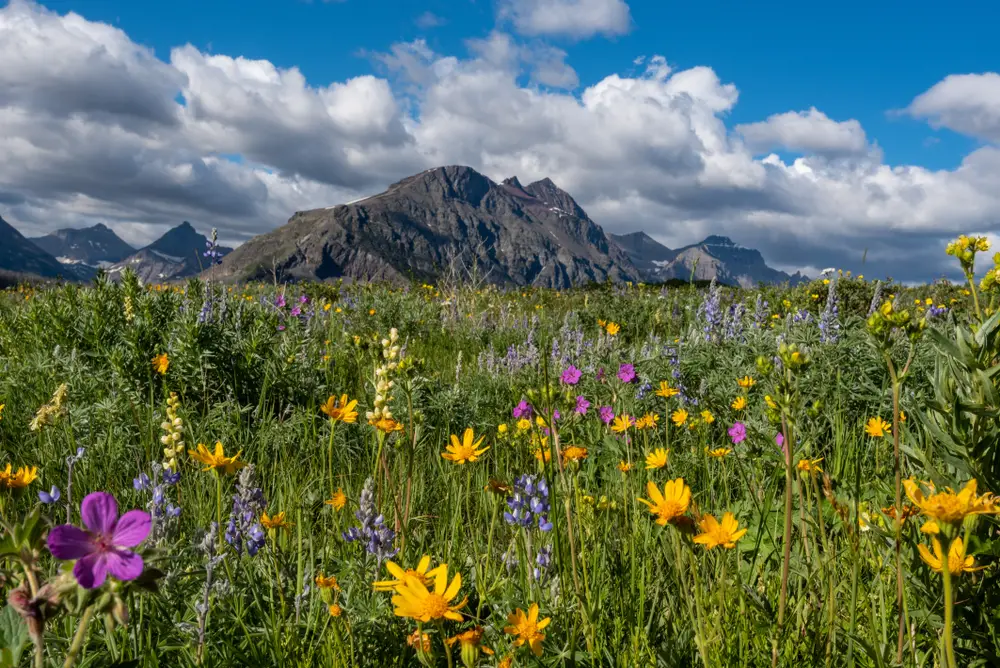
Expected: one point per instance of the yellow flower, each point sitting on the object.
(420, 573)
(718, 453)
(647, 421)
(386, 425)
(656, 459)
(325, 582)
(622, 423)
(666, 391)
(470, 643)
(419, 641)
(341, 411)
(20, 478)
(415, 601)
(715, 533)
(947, 506)
(371, 311)
(523, 424)
(877, 427)
(218, 459)
(669, 505)
(746, 382)
(528, 628)
(739, 403)
(466, 451)
(338, 500)
(707, 417)
(679, 416)
(276, 522)
(327, 306)
(574, 453)
(810, 465)
(958, 561)
(160, 364)
(613, 328)
(601, 323)
(543, 455)
(2, 406)
(624, 466)
(770, 402)
(335, 610)
(502, 428)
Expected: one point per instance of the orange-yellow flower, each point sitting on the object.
(810, 465)
(948, 507)
(421, 573)
(739, 403)
(622, 423)
(414, 600)
(338, 500)
(669, 505)
(958, 561)
(613, 328)
(877, 427)
(19, 479)
(657, 459)
(466, 450)
(718, 453)
(666, 391)
(574, 453)
(342, 410)
(528, 628)
(217, 460)
(276, 522)
(746, 382)
(160, 364)
(624, 466)
(715, 533)
(679, 416)
(327, 582)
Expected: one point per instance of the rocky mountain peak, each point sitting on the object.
(451, 182)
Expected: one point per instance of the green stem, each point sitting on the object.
(949, 649)
(78, 638)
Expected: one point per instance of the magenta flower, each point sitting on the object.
(103, 548)
(582, 405)
(571, 376)
(522, 410)
(600, 375)
(626, 373)
(738, 432)
(780, 441)
(607, 414)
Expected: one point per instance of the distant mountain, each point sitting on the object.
(92, 246)
(443, 220)
(21, 256)
(177, 254)
(715, 257)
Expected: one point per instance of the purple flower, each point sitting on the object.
(556, 415)
(50, 496)
(522, 410)
(103, 548)
(626, 373)
(571, 376)
(600, 375)
(296, 312)
(280, 301)
(780, 441)
(582, 405)
(738, 432)
(607, 414)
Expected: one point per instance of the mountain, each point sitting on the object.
(91, 246)
(177, 254)
(18, 254)
(715, 257)
(444, 221)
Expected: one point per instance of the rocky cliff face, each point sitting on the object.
(714, 258)
(20, 256)
(444, 220)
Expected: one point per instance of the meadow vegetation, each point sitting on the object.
(631, 475)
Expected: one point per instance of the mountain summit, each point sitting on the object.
(443, 220)
(177, 254)
(716, 257)
(91, 246)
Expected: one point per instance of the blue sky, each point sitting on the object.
(815, 133)
(851, 59)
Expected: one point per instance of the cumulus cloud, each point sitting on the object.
(805, 132)
(241, 144)
(965, 103)
(577, 19)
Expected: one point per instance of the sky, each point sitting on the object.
(852, 135)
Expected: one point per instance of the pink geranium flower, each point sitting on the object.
(103, 548)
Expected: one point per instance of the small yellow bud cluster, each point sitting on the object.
(965, 248)
(129, 309)
(383, 379)
(887, 318)
(991, 281)
(50, 412)
(172, 438)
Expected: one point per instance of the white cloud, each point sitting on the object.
(570, 18)
(648, 151)
(965, 103)
(805, 132)
(429, 20)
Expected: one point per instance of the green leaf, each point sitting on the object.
(13, 636)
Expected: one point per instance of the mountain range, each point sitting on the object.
(444, 222)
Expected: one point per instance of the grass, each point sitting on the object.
(814, 580)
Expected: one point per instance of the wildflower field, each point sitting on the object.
(360, 475)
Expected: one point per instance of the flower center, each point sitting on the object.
(435, 606)
(669, 509)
